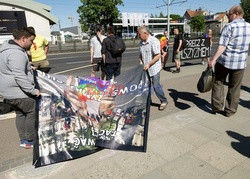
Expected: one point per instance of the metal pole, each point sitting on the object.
(168, 17)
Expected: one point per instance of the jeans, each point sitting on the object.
(112, 69)
(26, 116)
(233, 93)
(158, 88)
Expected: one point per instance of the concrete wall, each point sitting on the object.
(40, 23)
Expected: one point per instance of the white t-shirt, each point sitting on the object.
(96, 45)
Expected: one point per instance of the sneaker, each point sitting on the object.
(22, 143)
(29, 144)
(163, 106)
(26, 144)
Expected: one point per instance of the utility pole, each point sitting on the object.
(168, 17)
(168, 4)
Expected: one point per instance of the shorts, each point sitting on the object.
(41, 63)
(177, 56)
(97, 63)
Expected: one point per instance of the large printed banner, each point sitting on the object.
(81, 115)
(195, 48)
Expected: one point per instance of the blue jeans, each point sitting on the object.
(112, 69)
(158, 88)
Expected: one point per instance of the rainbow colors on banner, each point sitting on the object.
(82, 115)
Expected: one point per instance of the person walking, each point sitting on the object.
(150, 56)
(230, 60)
(111, 57)
(38, 51)
(164, 48)
(177, 50)
(95, 53)
(210, 36)
(17, 83)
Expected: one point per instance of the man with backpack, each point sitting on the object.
(112, 49)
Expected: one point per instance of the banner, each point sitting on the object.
(124, 19)
(10, 20)
(81, 115)
(194, 48)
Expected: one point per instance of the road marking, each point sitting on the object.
(50, 59)
(73, 69)
(76, 62)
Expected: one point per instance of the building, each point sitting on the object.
(188, 15)
(216, 22)
(155, 25)
(24, 13)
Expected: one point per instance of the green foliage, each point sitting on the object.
(197, 23)
(98, 12)
(161, 15)
(175, 16)
(245, 4)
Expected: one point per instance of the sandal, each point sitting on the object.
(162, 106)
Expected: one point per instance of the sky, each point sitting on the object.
(66, 10)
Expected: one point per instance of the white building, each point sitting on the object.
(24, 13)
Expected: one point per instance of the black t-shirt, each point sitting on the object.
(177, 41)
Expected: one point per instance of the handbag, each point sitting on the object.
(206, 80)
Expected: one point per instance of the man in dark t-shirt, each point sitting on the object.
(177, 50)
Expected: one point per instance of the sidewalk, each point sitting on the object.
(185, 141)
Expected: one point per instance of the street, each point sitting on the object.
(78, 63)
(183, 98)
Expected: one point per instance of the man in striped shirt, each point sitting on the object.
(150, 56)
(231, 57)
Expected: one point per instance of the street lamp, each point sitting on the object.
(71, 20)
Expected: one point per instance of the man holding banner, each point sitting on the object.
(17, 83)
(150, 56)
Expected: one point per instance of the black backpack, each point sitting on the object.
(117, 46)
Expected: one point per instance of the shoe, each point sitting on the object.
(214, 111)
(228, 114)
(22, 143)
(29, 144)
(163, 106)
(176, 71)
(26, 144)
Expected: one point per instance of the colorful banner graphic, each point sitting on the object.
(81, 115)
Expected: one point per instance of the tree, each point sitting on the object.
(175, 16)
(161, 15)
(98, 12)
(197, 23)
(245, 4)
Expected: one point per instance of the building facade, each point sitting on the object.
(24, 13)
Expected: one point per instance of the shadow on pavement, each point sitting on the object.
(184, 63)
(243, 144)
(192, 97)
(245, 103)
(245, 88)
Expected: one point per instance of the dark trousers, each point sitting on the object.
(112, 69)
(26, 116)
(233, 94)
